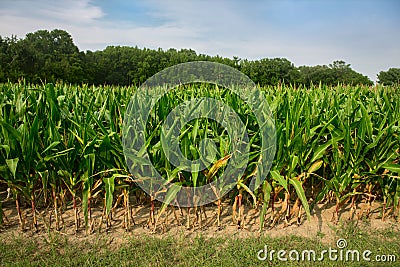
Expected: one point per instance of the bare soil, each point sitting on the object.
(320, 224)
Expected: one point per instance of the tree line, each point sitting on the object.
(51, 56)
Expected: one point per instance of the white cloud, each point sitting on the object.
(21, 16)
(70, 11)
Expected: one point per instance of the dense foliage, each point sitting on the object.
(61, 145)
(51, 56)
(389, 77)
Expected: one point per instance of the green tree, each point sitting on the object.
(389, 77)
(335, 73)
(7, 45)
(50, 56)
(270, 71)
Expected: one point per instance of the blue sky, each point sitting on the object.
(363, 33)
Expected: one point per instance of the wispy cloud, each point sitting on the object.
(71, 11)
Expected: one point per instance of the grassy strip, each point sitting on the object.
(57, 250)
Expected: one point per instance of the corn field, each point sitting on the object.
(61, 148)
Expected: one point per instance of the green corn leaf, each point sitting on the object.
(247, 189)
(6, 148)
(109, 185)
(280, 179)
(267, 189)
(58, 154)
(345, 180)
(395, 168)
(171, 194)
(294, 162)
(195, 173)
(320, 151)
(195, 130)
(51, 146)
(366, 119)
(12, 165)
(17, 135)
(322, 194)
(45, 179)
(301, 194)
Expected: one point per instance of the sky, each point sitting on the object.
(363, 33)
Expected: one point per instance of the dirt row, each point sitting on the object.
(177, 222)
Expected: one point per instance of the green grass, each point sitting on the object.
(57, 250)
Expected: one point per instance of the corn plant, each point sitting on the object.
(61, 147)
